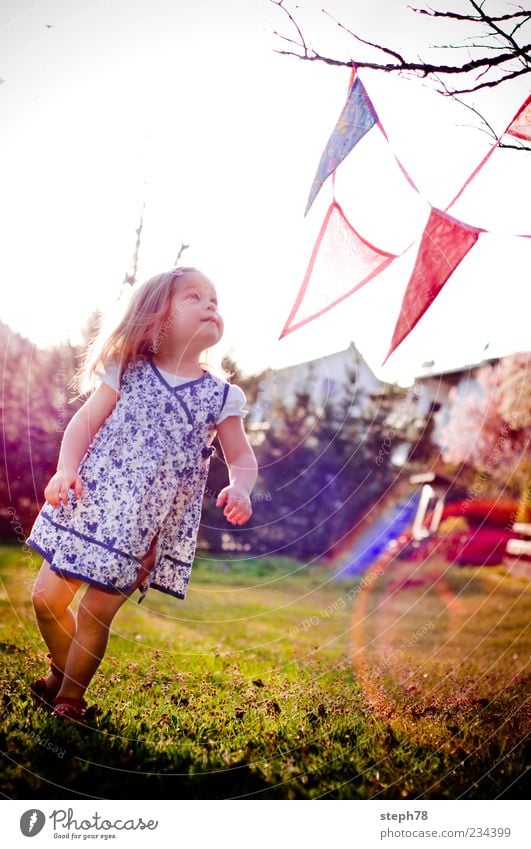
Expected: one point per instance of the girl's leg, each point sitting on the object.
(51, 597)
(95, 614)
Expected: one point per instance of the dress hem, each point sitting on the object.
(49, 556)
(162, 589)
(46, 554)
(90, 581)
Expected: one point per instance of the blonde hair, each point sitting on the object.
(137, 332)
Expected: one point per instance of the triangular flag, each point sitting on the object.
(356, 119)
(521, 126)
(445, 242)
(342, 261)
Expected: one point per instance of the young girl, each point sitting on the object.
(123, 509)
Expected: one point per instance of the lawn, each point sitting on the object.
(272, 681)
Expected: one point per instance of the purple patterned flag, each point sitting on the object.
(356, 119)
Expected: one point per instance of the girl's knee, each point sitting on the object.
(99, 606)
(52, 593)
(46, 604)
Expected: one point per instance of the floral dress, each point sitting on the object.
(143, 474)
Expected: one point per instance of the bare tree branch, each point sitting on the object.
(433, 13)
(364, 41)
(492, 23)
(509, 51)
(492, 83)
(514, 146)
(490, 131)
(423, 67)
(524, 21)
(295, 24)
(467, 46)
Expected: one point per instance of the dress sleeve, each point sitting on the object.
(234, 404)
(110, 375)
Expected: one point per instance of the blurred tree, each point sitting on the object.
(35, 409)
(215, 529)
(489, 425)
(318, 473)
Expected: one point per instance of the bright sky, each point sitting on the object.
(186, 105)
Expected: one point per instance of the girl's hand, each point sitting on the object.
(238, 509)
(58, 486)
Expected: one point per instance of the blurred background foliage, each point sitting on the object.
(320, 467)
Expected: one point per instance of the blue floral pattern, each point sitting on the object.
(144, 473)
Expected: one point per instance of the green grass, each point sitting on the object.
(271, 681)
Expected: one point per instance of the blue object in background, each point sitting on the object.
(373, 542)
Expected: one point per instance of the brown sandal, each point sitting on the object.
(39, 690)
(65, 707)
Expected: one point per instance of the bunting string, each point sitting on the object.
(342, 261)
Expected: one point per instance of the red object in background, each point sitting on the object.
(491, 522)
(484, 544)
(480, 547)
(483, 510)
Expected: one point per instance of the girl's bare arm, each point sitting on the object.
(78, 435)
(243, 470)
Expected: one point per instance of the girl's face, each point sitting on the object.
(194, 312)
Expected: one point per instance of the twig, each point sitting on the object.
(364, 41)
(490, 131)
(492, 83)
(468, 46)
(525, 20)
(434, 13)
(280, 4)
(514, 147)
(182, 249)
(491, 22)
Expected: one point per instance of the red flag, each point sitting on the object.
(445, 242)
(521, 126)
(341, 262)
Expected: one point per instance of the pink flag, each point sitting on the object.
(341, 262)
(521, 125)
(444, 243)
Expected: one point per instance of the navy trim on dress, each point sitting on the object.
(165, 590)
(49, 556)
(178, 562)
(225, 393)
(185, 408)
(179, 386)
(91, 539)
(91, 581)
